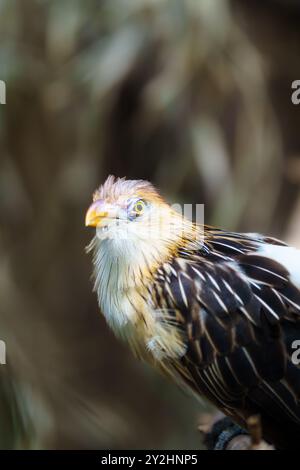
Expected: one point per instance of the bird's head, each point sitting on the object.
(132, 220)
(124, 208)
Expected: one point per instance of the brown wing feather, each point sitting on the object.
(239, 316)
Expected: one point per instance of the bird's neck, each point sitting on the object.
(124, 267)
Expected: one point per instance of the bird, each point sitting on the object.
(216, 311)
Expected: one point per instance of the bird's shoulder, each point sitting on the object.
(229, 274)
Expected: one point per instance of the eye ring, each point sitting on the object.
(139, 207)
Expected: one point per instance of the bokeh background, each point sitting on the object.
(194, 95)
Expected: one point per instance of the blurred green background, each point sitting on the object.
(194, 95)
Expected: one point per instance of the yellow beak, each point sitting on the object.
(95, 214)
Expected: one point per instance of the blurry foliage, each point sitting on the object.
(16, 429)
(193, 95)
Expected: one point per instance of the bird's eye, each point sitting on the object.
(139, 207)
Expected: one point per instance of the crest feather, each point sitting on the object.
(114, 187)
